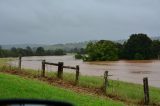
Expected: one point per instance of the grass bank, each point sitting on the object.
(121, 90)
(118, 90)
(13, 86)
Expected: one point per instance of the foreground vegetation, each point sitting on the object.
(124, 91)
(117, 90)
(12, 86)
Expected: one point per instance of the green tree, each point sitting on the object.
(120, 50)
(155, 48)
(40, 51)
(138, 45)
(29, 51)
(78, 56)
(138, 56)
(21, 52)
(1, 51)
(59, 52)
(102, 50)
(13, 52)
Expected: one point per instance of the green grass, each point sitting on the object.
(13, 86)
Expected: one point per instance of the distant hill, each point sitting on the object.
(67, 46)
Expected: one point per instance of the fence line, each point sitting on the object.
(19, 62)
(145, 87)
(61, 66)
(60, 69)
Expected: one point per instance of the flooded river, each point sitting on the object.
(130, 71)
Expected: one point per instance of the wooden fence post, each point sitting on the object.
(146, 90)
(60, 70)
(19, 63)
(43, 68)
(105, 81)
(77, 75)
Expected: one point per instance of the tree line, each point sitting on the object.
(137, 47)
(28, 51)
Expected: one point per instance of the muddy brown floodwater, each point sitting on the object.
(130, 71)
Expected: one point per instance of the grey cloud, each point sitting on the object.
(61, 21)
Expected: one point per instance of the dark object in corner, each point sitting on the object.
(32, 102)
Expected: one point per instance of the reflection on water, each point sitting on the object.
(131, 71)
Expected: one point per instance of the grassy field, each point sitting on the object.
(13, 86)
(120, 90)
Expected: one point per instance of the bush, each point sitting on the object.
(78, 56)
(102, 50)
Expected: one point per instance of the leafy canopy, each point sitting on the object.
(102, 50)
(138, 46)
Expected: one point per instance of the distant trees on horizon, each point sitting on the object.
(137, 47)
(28, 51)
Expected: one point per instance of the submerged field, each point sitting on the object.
(127, 93)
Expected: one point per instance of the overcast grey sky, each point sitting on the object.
(62, 21)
